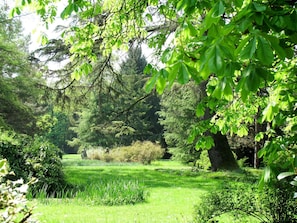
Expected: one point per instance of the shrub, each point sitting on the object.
(113, 192)
(33, 158)
(13, 203)
(11, 148)
(45, 164)
(203, 161)
(142, 152)
(241, 201)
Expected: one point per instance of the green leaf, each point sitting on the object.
(194, 74)
(267, 174)
(250, 49)
(259, 136)
(218, 9)
(215, 60)
(242, 43)
(252, 81)
(183, 74)
(264, 52)
(67, 11)
(259, 18)
(75, 7)
(148, 69)
(294, 183)
(150, 84)
(166, 55)
(209, 142)
(209, 21)
(149, 17)
(264, 73)
(200, 110)
(238, 3)
(160, 85)
(17, 10)
(275, 45)
(181, 4)
(228, 92)
(44, 40)
(218, 91)
(269, 112)
(259, 7)
(193, 30)
(86, 68)
(285, 174)
(242, 131)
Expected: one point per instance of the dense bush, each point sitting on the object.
(33, 158)
(143, 152)
(271, 204)
(11, 148)
(13, 204)
(44, 162)
(203, 162)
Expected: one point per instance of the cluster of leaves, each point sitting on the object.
(240, 201)
(13, 203)
(34, 158)
(144, 152)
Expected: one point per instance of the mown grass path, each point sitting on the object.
(173, 191)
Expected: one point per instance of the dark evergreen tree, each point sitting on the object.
(178, 116)
(121, 112)
(18, 89)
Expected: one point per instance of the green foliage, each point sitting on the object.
(11, 148)
(273, 204)
(178, 117)
(13, 203)
(60, 132)
(18, 91)
(143, 152)
(113, 192)
(246, 47)
(120, 112)
(34, 158)
(203, 161)
(44, 162)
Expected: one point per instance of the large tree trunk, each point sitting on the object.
(221, 156)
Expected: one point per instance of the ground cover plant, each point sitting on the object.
(174, 189)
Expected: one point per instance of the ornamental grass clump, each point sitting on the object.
(113, 192)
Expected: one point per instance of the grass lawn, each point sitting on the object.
(173, 191)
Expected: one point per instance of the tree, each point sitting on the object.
(121, 112)
(178, 116)
(238, 47)
(19, 94)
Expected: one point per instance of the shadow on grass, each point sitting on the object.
(155, 177)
